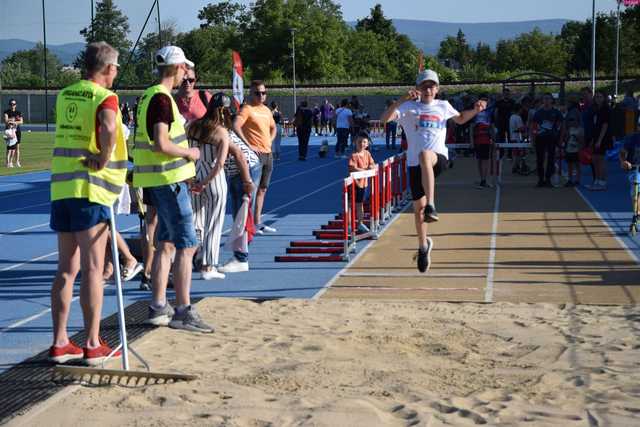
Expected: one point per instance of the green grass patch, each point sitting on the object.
(35, 153)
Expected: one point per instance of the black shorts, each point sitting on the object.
(415, 176)
(360, 194)
(146, 197)
(571, 157)
(483, 151)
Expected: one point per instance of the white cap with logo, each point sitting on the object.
(172, 55)
(427, 75)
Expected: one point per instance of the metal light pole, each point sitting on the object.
(293, 40)
(159, 27)
(617, 48)
(93, 35)
(46, 75)
(593, 48)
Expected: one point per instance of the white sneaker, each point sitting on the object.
(266, 229)
(259, 232)
(18, 164)
(234, 266)
(10, 165)
(212, 274)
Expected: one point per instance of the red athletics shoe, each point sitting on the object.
(65, 353)
(95, 356)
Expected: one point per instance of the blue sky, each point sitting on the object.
(23, 19)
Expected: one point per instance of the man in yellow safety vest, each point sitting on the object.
(163, 162)
(88, 170)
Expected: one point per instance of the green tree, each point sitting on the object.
(144, 62)
(224, 14)
(25, 68)
(456, 49)
(112, 26)
(377, 23)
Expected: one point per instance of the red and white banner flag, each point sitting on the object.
(238, 80)
(631, 2)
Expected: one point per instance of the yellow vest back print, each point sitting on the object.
(75, 139)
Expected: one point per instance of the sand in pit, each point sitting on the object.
(370, 363)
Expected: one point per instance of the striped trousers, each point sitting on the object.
(209, 209)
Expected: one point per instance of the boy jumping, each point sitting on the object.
(424, 120)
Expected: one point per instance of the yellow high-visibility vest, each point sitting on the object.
(152, 168)
(75, 139)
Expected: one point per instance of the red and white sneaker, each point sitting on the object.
(65, 353)
(95, 356)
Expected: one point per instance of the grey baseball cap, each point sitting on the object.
(427, 75)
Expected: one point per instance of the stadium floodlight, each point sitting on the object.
(293, 58)
(593, 48)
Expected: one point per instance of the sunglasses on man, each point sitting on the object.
(260, 93)
(191, 81)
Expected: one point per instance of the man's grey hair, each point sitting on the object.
(98, 55)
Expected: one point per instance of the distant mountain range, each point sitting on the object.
(67, 52)
(426, 35)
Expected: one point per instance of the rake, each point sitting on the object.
(124, 376)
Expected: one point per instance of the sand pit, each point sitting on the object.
(370, 363)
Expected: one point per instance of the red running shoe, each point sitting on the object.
(65, 353)
(95, 356)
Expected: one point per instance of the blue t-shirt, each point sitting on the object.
(632, 147)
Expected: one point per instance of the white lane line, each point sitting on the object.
(25, 207)
(330, 283)
(306, 171)
(488, 291)
(24, 229)
(631, 253)
(421, 275)
(14, 266)
(305, 196)
(47, 310)
(25, 193)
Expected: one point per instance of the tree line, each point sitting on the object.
(328, 50)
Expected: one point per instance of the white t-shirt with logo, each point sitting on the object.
(342, 118)
(425, 126)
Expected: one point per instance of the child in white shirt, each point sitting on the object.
(11, 139)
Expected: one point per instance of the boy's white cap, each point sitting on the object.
(172, 55)
(427, 75)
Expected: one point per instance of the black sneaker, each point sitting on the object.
(540, 184)
(145, 283)
(424, 256)
(430, 214)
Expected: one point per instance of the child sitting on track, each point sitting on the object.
(424, 119)
(361, 160)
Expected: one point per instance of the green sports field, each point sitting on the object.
(35, 153)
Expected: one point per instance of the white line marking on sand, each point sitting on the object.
(358, 255)
(615, 234)
(389, 288)
(488, 291)
(422, 275)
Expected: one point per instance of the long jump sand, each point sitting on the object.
(391, 358)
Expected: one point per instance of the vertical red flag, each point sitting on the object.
(421, 61)
(237, 83)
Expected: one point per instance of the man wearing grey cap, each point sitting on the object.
(163, 163)
(424, 120)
